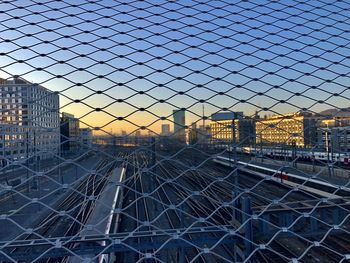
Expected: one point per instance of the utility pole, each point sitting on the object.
(153, 154)
(332, 152)
(37, 172)
(35, 159)
(59, 166)
(27, 149)
(339, 138)
(204, 134)
(327, 149)
(203, 117)
(294, 155)
(234, 140)
(255, 150)
(234, 149)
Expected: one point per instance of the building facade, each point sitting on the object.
(334, 139)
(13, 143)
(70, 133)
(295, 129)
(334, 122)
(227, 126)
(165, 130)
(85, 137)
(193, 134)
(179, 125)
(29, 120)
(203, 134)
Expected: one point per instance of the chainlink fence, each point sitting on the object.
(174, 131)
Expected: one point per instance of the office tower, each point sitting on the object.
(165, 130)
(69, 128)
(29, 120)
(179, 125)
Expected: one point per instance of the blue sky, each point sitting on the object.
(240, 48)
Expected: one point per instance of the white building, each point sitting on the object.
(29, 120)
(85, 137)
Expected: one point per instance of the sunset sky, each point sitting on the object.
(164, 47)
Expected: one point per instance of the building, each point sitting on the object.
(333, 134)
(203, 134)
(334, 122)
(165, 131)
(199, 135)
(70, 133)
(295, 129)
(225, 126)
(179, 125)
(85, 135)
(29, 120)
(227, 115)
(193, 134)
(13, 143)
(334, 139)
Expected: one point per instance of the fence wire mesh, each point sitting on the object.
(174, 131)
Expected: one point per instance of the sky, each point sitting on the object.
(141, 59)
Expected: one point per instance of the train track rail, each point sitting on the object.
(69, 217)
(184, 192)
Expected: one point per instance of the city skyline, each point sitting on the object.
(192, 117)
(27, 107)
(227, 59)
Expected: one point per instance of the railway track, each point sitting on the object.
(69, 217)
(270, 193)
(23, 188)
(184, 193)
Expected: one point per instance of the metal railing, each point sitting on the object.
(174, 131)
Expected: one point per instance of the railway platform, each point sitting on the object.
(101, 217)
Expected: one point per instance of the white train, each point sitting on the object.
(302, 154)
(311, 185)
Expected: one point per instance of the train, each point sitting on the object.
(311, 185)
(301, 154)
